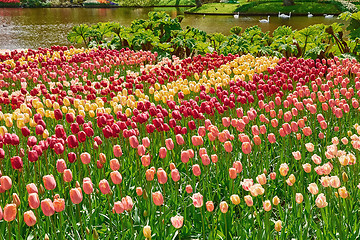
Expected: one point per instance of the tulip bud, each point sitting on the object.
(95, 234)
(46, 237)
(345, 177)
(87, 231)
(147, 232)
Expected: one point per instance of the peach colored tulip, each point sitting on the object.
(29, 218)
(196, 170)
(276, 200)
(60, 165)
(214, 158)
(128, 203)
(197, 200)
(273, 175)
(284, 169)
(85, 157)
(271, 138)
(114, 164)
(175, 175)
(146, 142)
(202, 131)
(299, 198)
(88, 185)
(313, 188)
(177, 221)
(104, 186)
(184, 156)
(145, 160)
(169, 144)
(307, 167)
(141, 150)
(149, 174)
(158, 198)
(238, 166)
(248, 200)
(228, 146)
(232, 173)
(309, 147)
(235, 199)
(10, 211)
(335, 181)
(189, 189)
(321, 201)
(256, 190)
(205, 159)
(325, 181)
(224, 207)
(139, 191)
(261, 179)
(47, 207)
(133, 141)
(67, 176)
(49, 182)
(31, 188)
(191, 153)
(343, 192)
(246, 147)
(76, 195)
(344, 140)
(162, 176)
(179, 139)
(278, 226)
(5, 182)
(267, 205)
(119, 207)
(116, 177)
(117, 151)
(247, 183)
(296, 155)
(162, 152)
(33, 200)
(16, 199)
(59, 204)
(209, 206)
(147, 232)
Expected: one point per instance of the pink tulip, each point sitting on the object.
(224, 207)
(158, 198)
(162, 152)
(162, 176)
(47, 207)
(196, 170)
(177, 221)
(85, 158)
(60, 165)
(67, 175)
(184, 156)
(31, 188)
(179, 139)
(76, 195)
(175, 175)
(104, 186)
(117, 151)
(145, 160)
(29, 218)
(146, 142)
(119, 207)
(228, 147)
(114, 164)
(169, 144)
(33, 200)
(87, 186)
(197, 200)
(134, 143)
(116, 177)
(5, 182)
(49, 182)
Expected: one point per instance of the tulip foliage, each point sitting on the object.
(107, 144)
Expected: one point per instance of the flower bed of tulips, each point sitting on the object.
(107, 144)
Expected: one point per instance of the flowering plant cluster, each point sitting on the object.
(125, 145)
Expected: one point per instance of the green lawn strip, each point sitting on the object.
(220, 8)
(175, 3)
(299, 7)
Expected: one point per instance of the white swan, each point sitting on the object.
(265, 20)
(310, 15)
(282, 15)
(236, 15)
(328, 16)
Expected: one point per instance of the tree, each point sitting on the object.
(288, 2)
(198, 3)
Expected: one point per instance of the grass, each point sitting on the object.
(217, 7)
(175, 3)
(299, 7)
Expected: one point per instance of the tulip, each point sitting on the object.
(343, 192)
(235, 199)
(119, 207)
(59, 204)
(31, 188)
(87, 186)
(146, 142)
(76, 195)
(278, 226)
(33, 200)
(16, 163)
(196, 170)
(267, 205)
(117, 151)
(158, 198)
(284, 169)
(104, 186)
(175, 175)
(114, 164)
(177, 221)
(29, 218)
(5, 182)
(248, 200)
(85, 158)
(67, 177)
(276, 200)
(133, 142)
(116, 177)
(60, 165)
(313, 188)
(299, 198)
(272, 175)
(224, 207)
(197, 200)
(162, 176)
(261, 179)
(139, 191)
(246, 147)
(296, 155)
(47, 207)
(49, 182)
(162, 152)
(321, 201)
(189, 189)
(128, 203)
(147, 232)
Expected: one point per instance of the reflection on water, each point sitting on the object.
(43, 27)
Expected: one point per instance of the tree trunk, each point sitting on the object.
(288, 2)
(198, 3)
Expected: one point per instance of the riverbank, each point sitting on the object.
(265, 8)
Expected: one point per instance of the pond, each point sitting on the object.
(44, 27)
